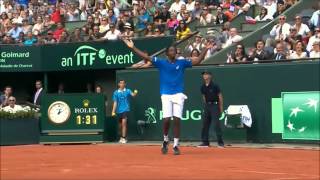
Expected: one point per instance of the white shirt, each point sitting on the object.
(265, 18)
(14, 109)
(315, 18)
(246, 6)
(304, 29)
(190, 6)
(294, 55)
(272, 8)
(206, 20)
(314, 54)
(276, 31)
(175, 7)
(311, 41)
(112, 35)
(37, 95)
(231, 40)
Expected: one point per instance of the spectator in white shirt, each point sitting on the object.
(302, 29)
(263, 16)
(298, 52)
(38, 27)
(315, 37)
(12, 107)
(206, 17)
(176, 6)
(72, 13)
(271, 6)
(244, 7)
(233, 38)
(182, 10)
(315, 51)
(281, 30)
(190, 5)
(315, 19)
(113, 33)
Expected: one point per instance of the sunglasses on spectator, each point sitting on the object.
(11, 100)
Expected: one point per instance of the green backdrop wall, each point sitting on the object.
(250, 84)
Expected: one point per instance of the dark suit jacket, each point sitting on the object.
(282, 56)
(38, 101)
(264, 55)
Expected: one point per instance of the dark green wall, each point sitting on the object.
(250, 84)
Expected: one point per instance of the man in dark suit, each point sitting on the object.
(38, 94)
(279, 54)
(259, 53)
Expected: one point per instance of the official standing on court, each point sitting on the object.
(213, 108)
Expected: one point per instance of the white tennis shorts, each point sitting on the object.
(172, 105)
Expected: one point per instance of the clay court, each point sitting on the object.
(144, 162)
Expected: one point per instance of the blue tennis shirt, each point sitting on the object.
(122, 97)
(171, 74)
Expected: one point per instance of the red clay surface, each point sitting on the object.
(38, 162)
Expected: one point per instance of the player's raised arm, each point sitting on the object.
(130, 45)
(197, 60)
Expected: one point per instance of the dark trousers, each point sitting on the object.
(211, 112)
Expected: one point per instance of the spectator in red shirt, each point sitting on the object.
(57, 33)
(55, 16)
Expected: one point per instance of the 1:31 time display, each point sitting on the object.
(87, 119)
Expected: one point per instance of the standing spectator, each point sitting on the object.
(38, 94)
(302, 29)
(298, 52)
(315, 51)
(206, 17)
(258, 53)
(221, 18)
(238, 56)
(15, 31)
(57, 33)
(315, 37)
(233, 38)
(30, 39)
(176, 6)
(183, 31)
(279, 52)
(113, 33)
(12, 106)
(263, 16)
(4, 98)
(281, 30)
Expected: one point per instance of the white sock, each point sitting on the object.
(175, 142)
(166, 138)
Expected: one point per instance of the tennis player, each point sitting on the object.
(171, 72)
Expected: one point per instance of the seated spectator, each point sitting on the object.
(195, 53)
(186, 17)
(165, 14)
(215, 47)
(102, 9)
(281, 30)
(113, 33)
(76, 36)
(315, 37)
(96, 18)
(259, 53)
(302, 29)
(180, 13)
(196, 13)
(315, 51)
(104, 25)
(83, 14)
(179, 54)
(128, 33)
(190, 5)
(5, 20)
(182, 31)
(315, 18)
(40, 40)
(29, 40)
(143, 63)
(279, 52)
(96, 35)
(49, 39)
(4, 98)
(226, 4)
(298, 52)
(38, 27)
(221, 18)
(57, 33)
(15, 31)
(158, 19)
(197, 44)
(112, 17)
(26, 27)
(73, 13)
(20, 39)
(281, 7)
(64, 37)
(158, 33)
(176, 6)
(230, 13)
(148, 32)
(55, 16)
(293, 36)
(238, 56)
(143, 19)
(206, 17)
(243, 7)
(233, 38)
(263, 16)
(172, 23)
(16, 17)
(12, 106)
(271, 6)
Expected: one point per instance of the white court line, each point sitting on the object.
(275, 173)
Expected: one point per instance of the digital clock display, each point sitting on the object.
(86, 119)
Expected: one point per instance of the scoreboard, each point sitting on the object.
(72, 118)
